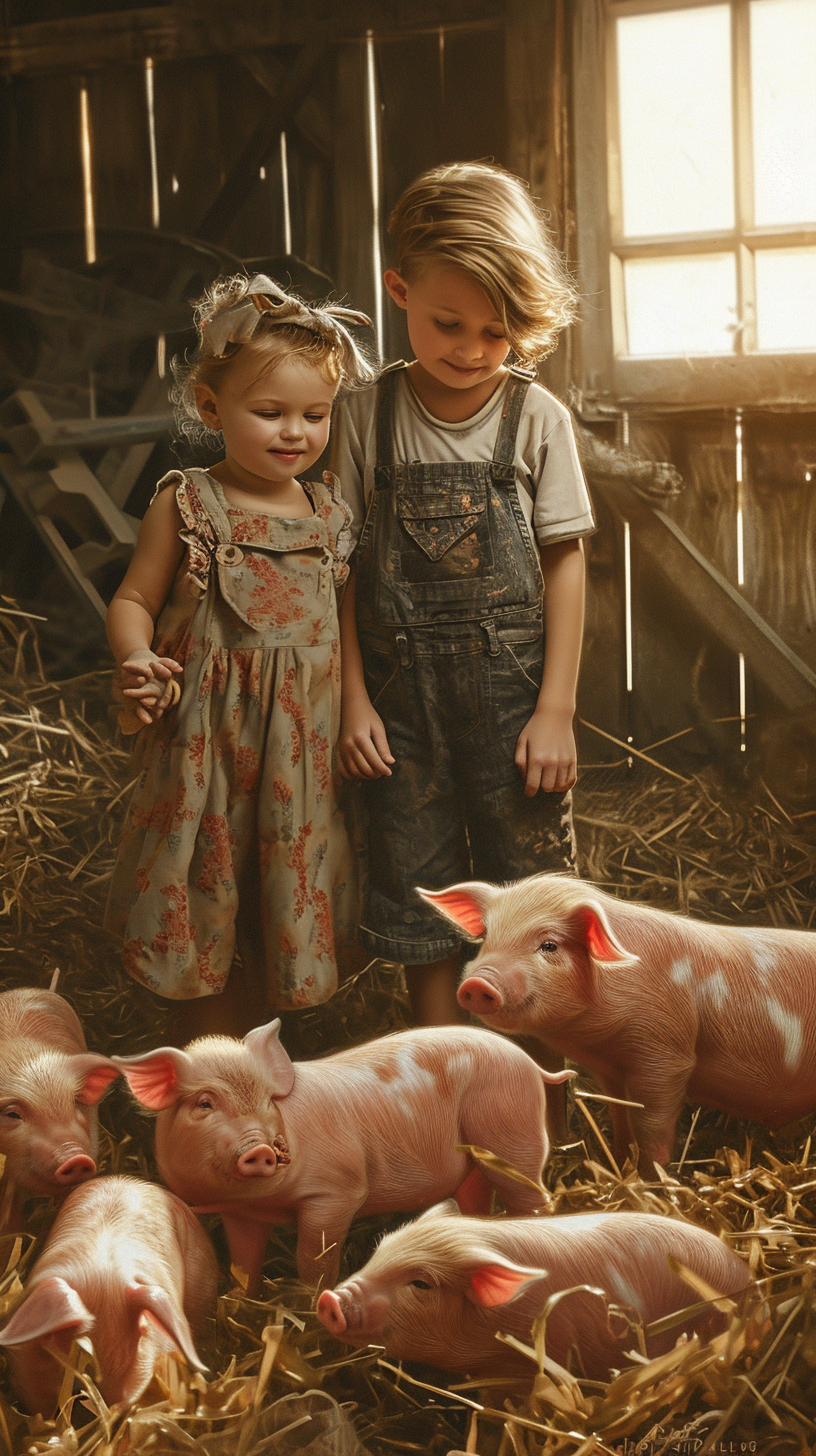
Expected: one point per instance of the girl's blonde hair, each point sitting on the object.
(478, 217)
(240, 317)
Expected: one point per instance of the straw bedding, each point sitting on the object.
(278, 1383)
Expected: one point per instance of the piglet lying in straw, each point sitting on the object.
(49, 1084)
(661, 1008)
(245, 1133)
(127, 1264)
(440, 1289)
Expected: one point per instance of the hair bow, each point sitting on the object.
(236, 323)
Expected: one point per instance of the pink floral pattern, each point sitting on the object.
(235, 788)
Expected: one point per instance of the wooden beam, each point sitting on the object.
(703, 590)
(244, 174)
(209, 27)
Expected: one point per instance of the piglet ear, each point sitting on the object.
(152, 1301)
(448, 1208)
(154, 1077)
(51, 1306)
(466, 905)
(95, 1075)
(264, 1043)
(498, 1283)
(598, 936)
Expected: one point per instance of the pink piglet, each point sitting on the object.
(244, 1132)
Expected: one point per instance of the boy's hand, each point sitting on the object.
(545, 752)
(362, 748)
(149, 684)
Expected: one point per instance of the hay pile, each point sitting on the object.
(279, 1384)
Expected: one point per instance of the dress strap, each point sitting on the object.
(386, 396)
(504, 451)
(213, 504)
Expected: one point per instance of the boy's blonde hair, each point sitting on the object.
(240, 317)
(478, 217)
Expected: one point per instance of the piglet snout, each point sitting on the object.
(259, 1161)
(75, 1170)
(330, 1312)
(479, 996)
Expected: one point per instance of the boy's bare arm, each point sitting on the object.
(545, 753)
(362, 748)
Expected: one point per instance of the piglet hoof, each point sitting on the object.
(258, 1162)
(75, 1170)
(330, 1313)
(479, 996)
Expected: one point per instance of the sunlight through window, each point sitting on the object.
(783, 108)
(681, 305)
(674, 80)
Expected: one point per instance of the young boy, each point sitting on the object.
(470, 504)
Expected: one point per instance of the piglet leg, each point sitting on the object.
(662, 1090)
(247, 1246)
(322, 1230)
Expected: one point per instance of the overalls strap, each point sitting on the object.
(386, 395)
(504, 451)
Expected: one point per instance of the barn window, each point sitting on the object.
(709, 131)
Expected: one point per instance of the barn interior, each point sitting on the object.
(672, 146)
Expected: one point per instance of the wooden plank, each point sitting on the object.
(703, 590)
(209, 27)
(244, 173)
(31, 443)
(591, 194)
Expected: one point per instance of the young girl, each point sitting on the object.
(465, 475)
(233, 823)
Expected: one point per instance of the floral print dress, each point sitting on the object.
(235, 794)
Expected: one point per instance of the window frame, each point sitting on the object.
(609, 375)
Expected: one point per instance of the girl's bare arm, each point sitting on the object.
(545, 753)
(132, 614)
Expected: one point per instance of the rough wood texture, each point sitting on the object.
(208, 27)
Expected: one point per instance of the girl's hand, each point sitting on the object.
(152, 682)
(545, 753)
(362, 748)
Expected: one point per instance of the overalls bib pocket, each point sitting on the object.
(445, 530)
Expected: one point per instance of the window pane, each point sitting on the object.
(674, 85)
(681, 305)
(783, 104)
(786, 298)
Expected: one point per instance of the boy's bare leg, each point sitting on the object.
(432, 992)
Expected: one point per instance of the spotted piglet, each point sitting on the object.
(244, 1132)
(663, 1009)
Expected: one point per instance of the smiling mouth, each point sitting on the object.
(465, 368)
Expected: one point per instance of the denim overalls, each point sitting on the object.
(450, 621)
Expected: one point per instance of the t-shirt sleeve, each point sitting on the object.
(347, 457)
(561, 508)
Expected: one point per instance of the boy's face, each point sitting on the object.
(454, 330)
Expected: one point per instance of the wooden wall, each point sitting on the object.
(494, 82)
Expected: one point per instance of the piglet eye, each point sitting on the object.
(205, 1102)
(12, 1114)
(419, 1284)
(548, 945)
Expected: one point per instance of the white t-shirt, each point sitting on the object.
(549, 479)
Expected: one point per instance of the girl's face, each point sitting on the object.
(454, 330)
(275, 425)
